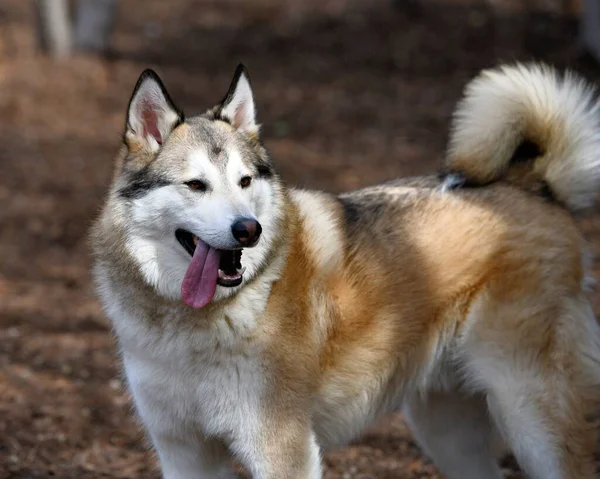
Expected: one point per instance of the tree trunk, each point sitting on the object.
(54, 27)
(94, 22)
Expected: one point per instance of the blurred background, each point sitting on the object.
(350, 92)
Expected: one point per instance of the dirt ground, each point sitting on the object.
(349, 92)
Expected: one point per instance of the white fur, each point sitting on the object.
(153, 219)
(314, 467)
(503, 107)
(193, 387)
(199, 167)
(451, 182)
(322, 227)
(189, 388)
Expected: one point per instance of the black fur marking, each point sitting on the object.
(218, 117)
(264, 171)
(546, 192)
(526, 151)
(141, 183)
(151, 75)
(351, 211)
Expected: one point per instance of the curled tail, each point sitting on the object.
(529, 113)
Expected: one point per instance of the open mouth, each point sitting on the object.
(230, 266)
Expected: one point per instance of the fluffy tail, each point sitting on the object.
(507, 109)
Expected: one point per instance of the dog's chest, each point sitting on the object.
(207, 380)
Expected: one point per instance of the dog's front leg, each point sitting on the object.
(184, 452)
(191, 457)
(281, 450)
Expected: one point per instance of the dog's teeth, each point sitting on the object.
(195, 240)
(238, 273)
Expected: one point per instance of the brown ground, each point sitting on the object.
(350, 92)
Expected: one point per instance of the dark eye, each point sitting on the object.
(196, 185)
(245, 182)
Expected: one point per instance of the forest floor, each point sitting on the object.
(349, 93)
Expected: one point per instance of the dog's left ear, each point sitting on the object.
(152, 115)
(238, 107)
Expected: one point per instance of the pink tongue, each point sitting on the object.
(200, 281)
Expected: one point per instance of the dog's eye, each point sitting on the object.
(196, 185)
(245, 182)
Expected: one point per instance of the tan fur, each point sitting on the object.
(468, 302)
(387, 315)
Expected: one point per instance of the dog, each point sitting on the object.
(263, 324)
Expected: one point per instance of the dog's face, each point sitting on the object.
(199, 197)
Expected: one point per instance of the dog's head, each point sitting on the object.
(198, 197)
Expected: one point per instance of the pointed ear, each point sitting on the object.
(151, 115)
(238, 105)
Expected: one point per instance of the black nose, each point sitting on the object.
(246, 231)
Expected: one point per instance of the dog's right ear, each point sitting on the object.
(151, 116)
(237, 108)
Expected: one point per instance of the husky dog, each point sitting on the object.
(263, 324)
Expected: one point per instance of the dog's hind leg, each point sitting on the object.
(538, 365)
(456, 432)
